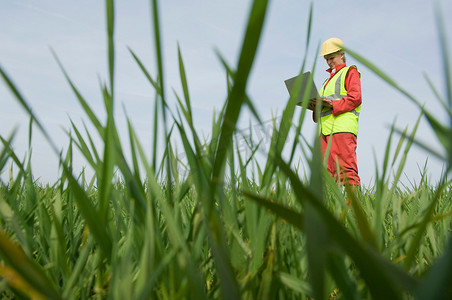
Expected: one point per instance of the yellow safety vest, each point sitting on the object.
(335, 90)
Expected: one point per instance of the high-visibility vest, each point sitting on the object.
(335, 90)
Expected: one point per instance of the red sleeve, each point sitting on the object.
(353, 98)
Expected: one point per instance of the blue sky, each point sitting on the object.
(400, 37)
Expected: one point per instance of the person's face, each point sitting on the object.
(334, 59)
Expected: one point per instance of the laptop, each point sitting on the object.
(306, 80)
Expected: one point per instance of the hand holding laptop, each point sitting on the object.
(307, 90)
(324, 102)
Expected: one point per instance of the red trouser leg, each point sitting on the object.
(342, 151)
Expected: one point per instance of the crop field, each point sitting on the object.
(224, 225)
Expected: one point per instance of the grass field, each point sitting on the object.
(227, 227)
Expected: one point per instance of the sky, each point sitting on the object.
(399, 36)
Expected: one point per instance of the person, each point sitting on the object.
(341, 105)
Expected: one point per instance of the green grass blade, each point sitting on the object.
(178, 242)
(157, 88)
(161, 83)
(8, 152)
(30, 131)
(399, 145)
(421, 228)
(436, 284)
(294, 283)
(308, 36)
(27, 268)
(83, 147)
(99, 229)
(296, 87)
(247, 100)
(132, 138)
(106, 174)
(90, 113)
(361, 218)
(27, 107)
(317, 235)
(438, 96)
(145, 72)
(93, 146)
(405, 154)
(341, 276)
(159, 56)
(183, 78)
(4, 157)
(187, 109)
(444, 53)
(384, 279)
(288, 214)
(59, 244)
(133, 186)
(236, 96)
(429, 149)
(110, 11)
(88, 210)
(76, 276)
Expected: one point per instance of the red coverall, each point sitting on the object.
(343, 144)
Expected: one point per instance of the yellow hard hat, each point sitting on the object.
(330, 46)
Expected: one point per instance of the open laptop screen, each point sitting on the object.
(306, 82)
